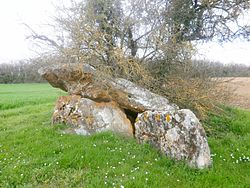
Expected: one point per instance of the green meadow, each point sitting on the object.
(33, 153)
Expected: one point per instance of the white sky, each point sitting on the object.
(13, 42)
(228, 53)
(14, 46)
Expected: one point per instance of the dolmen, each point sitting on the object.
(96, 104)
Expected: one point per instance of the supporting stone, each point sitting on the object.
(178, 134)
(88, 117)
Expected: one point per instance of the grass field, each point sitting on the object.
(35, 154)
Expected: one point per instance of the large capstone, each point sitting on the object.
(83, 80)
(178, 134)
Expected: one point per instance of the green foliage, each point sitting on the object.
(35, 154)
(230, 121)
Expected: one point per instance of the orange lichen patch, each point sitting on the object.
(89, 120)
(64, 100)
(157, 117)
(145, 117)
(98, 94)
(168, 118)
(74, 121)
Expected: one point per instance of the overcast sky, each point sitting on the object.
(14, 46)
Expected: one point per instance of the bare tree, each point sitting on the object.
(108, 30)
(148, 41)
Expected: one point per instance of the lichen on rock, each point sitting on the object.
(88, 117)
(182, 138)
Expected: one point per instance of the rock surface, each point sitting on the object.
(88, 117)
(98, 104)
(82, 79)
(178, 134)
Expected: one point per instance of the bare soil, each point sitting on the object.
(241, 88)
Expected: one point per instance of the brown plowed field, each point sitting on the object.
(241, 87)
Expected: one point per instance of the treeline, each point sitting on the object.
(25, 71)
(217, 69)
